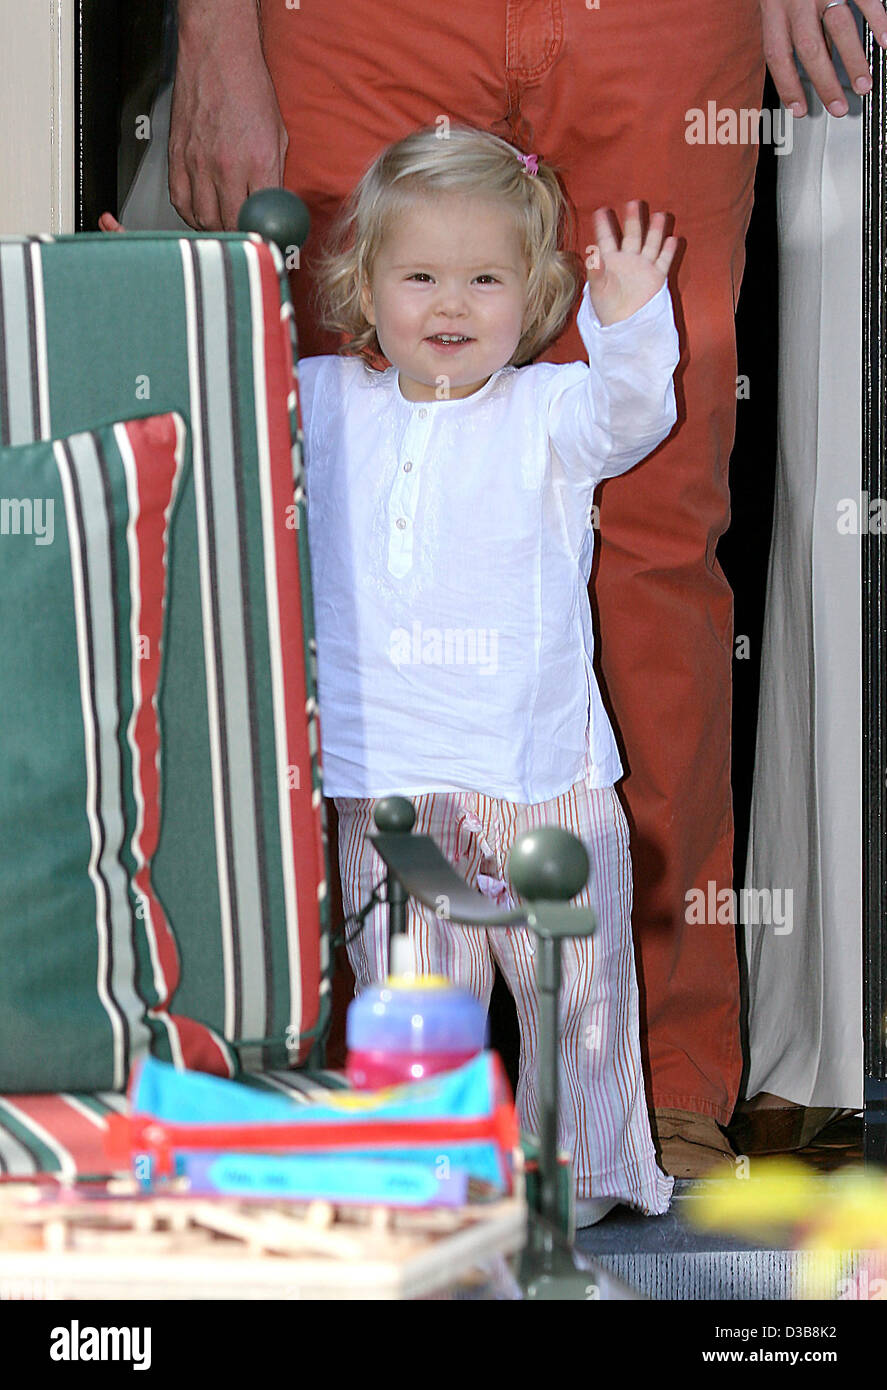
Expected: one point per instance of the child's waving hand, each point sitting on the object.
(627, 276)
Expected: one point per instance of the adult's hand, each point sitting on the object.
(805, 25)
(226, 138)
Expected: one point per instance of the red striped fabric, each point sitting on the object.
(74, 1132)
(149, 444)
(61, 1136)
(307, 836)
(155, 442)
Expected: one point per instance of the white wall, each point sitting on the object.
(36, 116)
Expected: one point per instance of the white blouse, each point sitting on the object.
(451, 545)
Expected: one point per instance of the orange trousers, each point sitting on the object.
(603, 92)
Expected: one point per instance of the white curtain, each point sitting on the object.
(805, 985)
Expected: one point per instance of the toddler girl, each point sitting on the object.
(450, 525)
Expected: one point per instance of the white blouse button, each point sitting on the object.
(400, 523)
(408, 467)
(422, 413)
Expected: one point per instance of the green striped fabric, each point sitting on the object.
(88, 962)
(98, 328)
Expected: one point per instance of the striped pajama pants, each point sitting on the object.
(603, 1120)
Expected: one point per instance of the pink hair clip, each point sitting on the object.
(530, 163)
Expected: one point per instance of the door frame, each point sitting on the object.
(874, 608)
(37, 79)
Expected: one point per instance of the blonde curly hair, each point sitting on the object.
(461, 160)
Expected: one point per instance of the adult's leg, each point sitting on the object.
(611, 110)
(604, 93)
(350, 78)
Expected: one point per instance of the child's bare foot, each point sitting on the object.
(109, 223)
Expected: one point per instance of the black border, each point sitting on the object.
(874, 609)
(97, 39)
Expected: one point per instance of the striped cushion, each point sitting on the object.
(63, 1134)
(84, 940)
(96, 328)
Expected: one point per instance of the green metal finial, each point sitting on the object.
(394, 815)
(277, 215)
(548, 864)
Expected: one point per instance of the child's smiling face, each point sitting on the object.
(448, 294)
